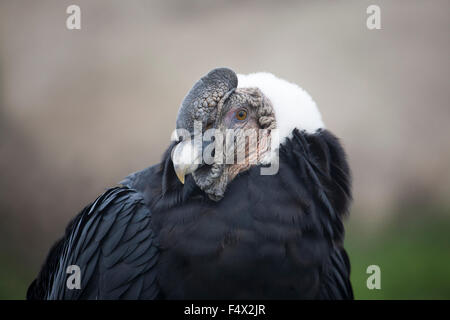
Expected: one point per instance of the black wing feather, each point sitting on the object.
(112, 242)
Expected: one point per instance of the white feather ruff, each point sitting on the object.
(293, 106)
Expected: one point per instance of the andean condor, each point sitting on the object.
(188, 229)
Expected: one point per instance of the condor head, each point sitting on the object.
(228, 123)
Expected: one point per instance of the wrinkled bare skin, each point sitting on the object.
(259, 115)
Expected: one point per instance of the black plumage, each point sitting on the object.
(227, 232)
(272, 237)
(113, 244)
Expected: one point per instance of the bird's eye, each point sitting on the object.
(241, 115)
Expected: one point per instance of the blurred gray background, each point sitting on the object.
(81, 109)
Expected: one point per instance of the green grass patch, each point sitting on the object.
(413, 255)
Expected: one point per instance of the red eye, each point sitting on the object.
(241, 115)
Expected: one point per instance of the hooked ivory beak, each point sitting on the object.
(185, 158)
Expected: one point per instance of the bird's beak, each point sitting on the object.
(186, 159)
(181, 173)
